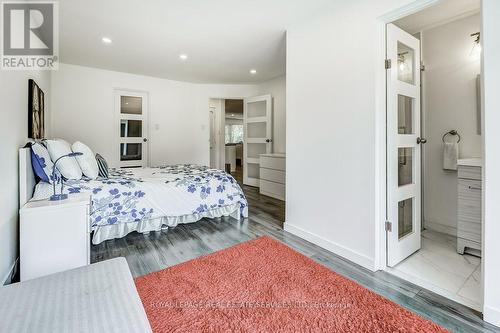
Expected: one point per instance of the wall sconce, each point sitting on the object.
(476, 48)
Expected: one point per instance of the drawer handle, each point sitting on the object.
(475, 188)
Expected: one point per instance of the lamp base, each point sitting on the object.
(58, 197)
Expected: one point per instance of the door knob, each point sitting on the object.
(145, 140)
(421, 141)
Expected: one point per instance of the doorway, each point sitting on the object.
(241, 130)
(227, 135)
(433, 150)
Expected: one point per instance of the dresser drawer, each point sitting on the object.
(272, 189)
(469, 172)
(275, 163)
(276, 176)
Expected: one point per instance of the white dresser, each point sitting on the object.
(469, 221)
(54, 236)
(273, 175)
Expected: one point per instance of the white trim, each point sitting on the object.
(347, 253)
(491, 315)
(380, 258)
(10, 272)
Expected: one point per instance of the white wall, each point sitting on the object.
(331, 99)
(277, 88)
(491, 174)
(179, 121)
(14, 129)
(179, 117)
(449, 102)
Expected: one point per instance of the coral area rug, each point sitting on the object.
(265, 286)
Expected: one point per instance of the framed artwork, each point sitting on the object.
(36, 111)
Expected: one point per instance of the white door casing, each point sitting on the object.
(258, 137)
(213, 140)
(131, 128)
(403, 145)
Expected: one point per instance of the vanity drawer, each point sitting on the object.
(469, 231)
(469, 201)
(469, 172)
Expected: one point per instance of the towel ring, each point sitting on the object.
(452, 132)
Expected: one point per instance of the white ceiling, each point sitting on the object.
(223, 39)
(444, 11)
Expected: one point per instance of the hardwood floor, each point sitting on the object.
(156, 251)
(260, 205)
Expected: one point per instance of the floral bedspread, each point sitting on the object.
(133, 195)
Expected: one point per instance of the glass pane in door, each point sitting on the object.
(130, 105)
(405, 217)
(406, 63)
(130, 128)
(405, 115)
(256, 109)
(130, 151)
(405, 166)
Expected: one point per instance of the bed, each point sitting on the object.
(146, 199)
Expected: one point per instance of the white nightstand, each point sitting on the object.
(54, 236)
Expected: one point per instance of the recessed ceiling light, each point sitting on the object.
(106, 40)
(253, 71)
(183, 56)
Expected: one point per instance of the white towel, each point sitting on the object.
(450, 155)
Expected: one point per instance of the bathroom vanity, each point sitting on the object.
(469, 221)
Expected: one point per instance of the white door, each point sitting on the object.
(403, 145)
(258, 128)
(132, 128)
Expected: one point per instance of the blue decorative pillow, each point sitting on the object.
(41, 162)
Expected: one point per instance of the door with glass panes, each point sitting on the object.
(132, 112)
(403, 145)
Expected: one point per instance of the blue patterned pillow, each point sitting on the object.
(41, 162)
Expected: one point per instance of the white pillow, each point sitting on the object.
(87, 161)
(67, 166)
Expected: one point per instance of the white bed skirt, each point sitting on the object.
(106, 232)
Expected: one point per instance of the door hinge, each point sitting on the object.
(422, 67)
(387, 63)
(388, 226)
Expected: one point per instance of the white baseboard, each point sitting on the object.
(10, 272)
(338, 249)
(445, 229)
(491, 315)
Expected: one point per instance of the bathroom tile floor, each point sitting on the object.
(438, 267)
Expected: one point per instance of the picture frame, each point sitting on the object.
(36, 111)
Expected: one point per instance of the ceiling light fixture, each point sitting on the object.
(183, 56)
(253, 71)
(106, 40)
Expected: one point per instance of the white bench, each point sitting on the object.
(97, 298)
